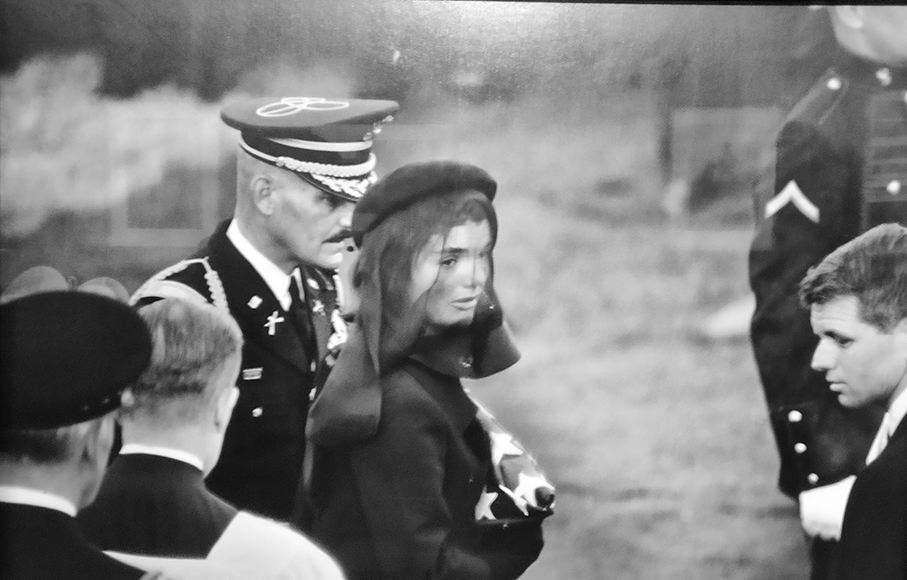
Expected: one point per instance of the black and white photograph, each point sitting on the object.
(452, 289)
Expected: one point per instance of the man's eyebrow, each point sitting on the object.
(836, 335)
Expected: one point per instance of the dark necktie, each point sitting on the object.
(299, 314)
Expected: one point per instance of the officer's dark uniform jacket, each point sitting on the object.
(283, 358)
(840, 168)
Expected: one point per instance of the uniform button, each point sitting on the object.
(893, 187)
(257, 411)
(812, 478)
(795, 416)
(884, 76)
(834, 83)
(800, 447)
(313, 366)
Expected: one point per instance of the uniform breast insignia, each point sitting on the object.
(272, 322)
(254, 302)
(339, 336)
(792, 194)
(252, 374)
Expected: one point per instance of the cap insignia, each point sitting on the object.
(292, 105)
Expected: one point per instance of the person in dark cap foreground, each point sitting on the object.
(302, 164)
(840, 168)
(407, 480)
(67, 357)
(857, 297)
(153, 509)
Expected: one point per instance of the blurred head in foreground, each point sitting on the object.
(67, 358)
(874, 32)
(857, 298)
(186, 396)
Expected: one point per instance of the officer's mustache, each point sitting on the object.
(339, 236)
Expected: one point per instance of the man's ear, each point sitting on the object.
(97, 439)
(262, 187)
(224, 408)
(852, 16)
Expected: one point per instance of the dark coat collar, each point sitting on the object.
(348, 409)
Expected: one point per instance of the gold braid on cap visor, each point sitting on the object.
(342, 171)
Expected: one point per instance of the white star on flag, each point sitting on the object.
(483, 508)
(502, 444)
(792, 194)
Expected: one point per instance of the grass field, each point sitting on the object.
(657, 439)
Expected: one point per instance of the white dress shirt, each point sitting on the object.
(168, 452)
(28, 496)
(890, 422)
(276, 279)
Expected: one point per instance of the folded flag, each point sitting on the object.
(517, 489)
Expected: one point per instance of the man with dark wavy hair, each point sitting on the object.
(840, 167)
(857, 298)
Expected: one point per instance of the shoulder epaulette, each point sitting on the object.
(821, 99)
(161, 286)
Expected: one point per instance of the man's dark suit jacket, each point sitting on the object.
(874, 533)
(154, 505)
(40, 543)
(263, 451)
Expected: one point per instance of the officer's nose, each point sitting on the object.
(345, 215)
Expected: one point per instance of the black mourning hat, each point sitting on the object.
(327, 141)
(415, 181)
(67, 357)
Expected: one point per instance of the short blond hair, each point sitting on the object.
(191, 343)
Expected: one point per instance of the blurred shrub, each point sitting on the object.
(64, 147)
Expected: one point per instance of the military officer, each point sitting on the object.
(840, 168)
(302, 164)
(58, 424)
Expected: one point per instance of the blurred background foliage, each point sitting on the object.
(626, 139)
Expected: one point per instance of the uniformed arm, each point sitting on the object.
(809, 214)
(400, 475)
(804, 225)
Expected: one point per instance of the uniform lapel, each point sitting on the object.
(253, 305)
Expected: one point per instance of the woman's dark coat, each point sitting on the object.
(401, 503)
